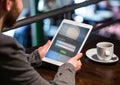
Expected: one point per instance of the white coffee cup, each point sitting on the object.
(105, 50)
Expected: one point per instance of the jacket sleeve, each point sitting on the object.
(16, 69)
(34, 58)
(65, 75)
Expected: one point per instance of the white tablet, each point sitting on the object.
(67, 42)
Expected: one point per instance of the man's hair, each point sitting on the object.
(1, 0)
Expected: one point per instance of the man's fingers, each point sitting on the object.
(47, 44)
(78, 56)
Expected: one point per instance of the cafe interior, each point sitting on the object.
(40, 20)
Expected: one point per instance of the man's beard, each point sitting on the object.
(10, 18)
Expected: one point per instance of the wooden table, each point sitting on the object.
(92, 73)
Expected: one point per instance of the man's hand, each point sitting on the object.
(43, 49)
(75, 61)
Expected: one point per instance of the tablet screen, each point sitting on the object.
(67, 42)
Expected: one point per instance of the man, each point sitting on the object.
(16, 66)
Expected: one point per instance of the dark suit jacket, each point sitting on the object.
(16, 66)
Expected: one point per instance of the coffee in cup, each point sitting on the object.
(105, 50)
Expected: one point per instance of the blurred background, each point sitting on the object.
(39, 32)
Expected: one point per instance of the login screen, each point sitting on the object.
(67, 42)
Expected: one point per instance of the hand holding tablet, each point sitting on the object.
(75, 61)
(67, 42)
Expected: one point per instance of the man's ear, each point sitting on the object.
(7, 5)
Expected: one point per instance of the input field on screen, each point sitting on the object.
(65, 45)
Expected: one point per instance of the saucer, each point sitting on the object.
(92, 54)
